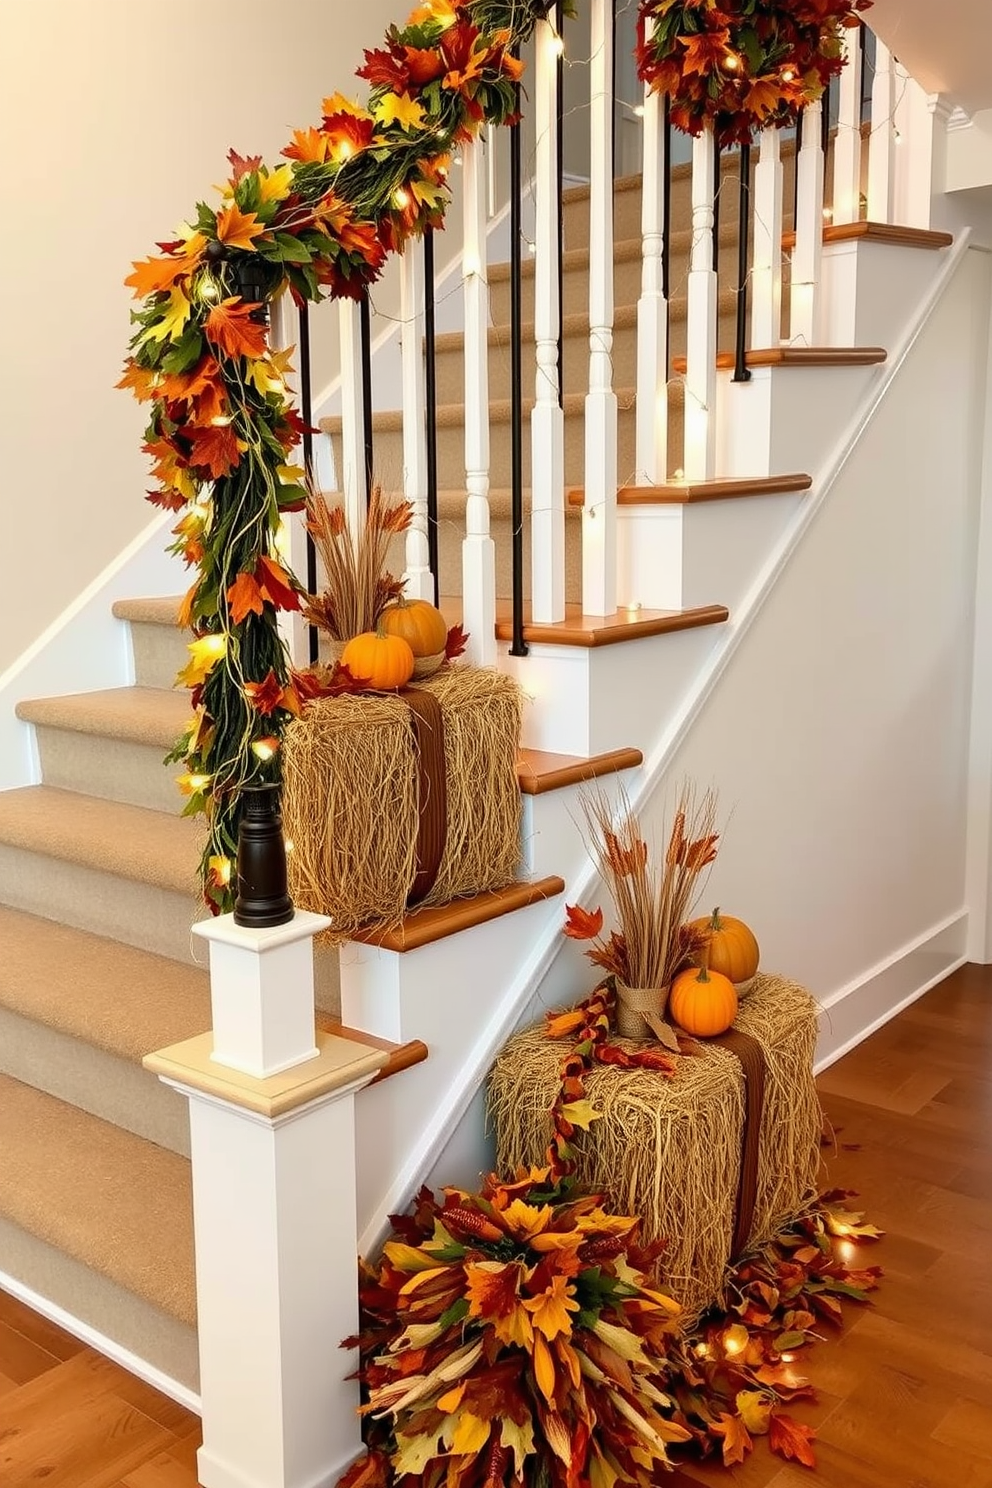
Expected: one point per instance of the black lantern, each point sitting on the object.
(263, 897)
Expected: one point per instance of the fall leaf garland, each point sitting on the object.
(222, 431)
(518, 1335)
(741, 65)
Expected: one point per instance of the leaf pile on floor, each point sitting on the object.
(518, 1336)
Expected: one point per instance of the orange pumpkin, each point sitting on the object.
(384, 661)
(703, 1002)
(424, 628)
(731, 947)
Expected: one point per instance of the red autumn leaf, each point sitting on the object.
(423, 66)
(244, 597)
(275, 584)
(580, 924)
(353, 130)
(242, 164)
(455, 642)
(791, 1438)
(230, 327)
(265, 696)
(384, 70)
(214, 450)
(736, 1438)
(167, 500)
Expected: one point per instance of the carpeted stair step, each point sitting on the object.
(118, 870)
(112, 743)
(159, 649)
(99, 1221)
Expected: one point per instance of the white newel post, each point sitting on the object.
(913, 160)
(882, 141)
(352, 473)
(273, 1157)
(599, 512)
(846, 205)
(699, 459)
(478, 549)
(417, 578)
(652, 308)
(766, 277)
(805, 297)
(547, 422)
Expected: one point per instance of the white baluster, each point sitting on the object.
(292, 533)
(766, 275)
(478, 550)
(846, 206)
(599, 513)
(699, 459)
(547, 424)
(882, 142)
(417, 578)
(352, 417)
(652, 308)
(805, 301)
(913, 156)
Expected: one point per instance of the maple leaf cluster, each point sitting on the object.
(519, 1335)
(741, 65)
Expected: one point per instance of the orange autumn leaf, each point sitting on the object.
(580, 924)
(549, 1312)
(244, 597)
(143, 381)
(544, 1368)
(492, 1289)
(266, 695)
(764, 97)
(309, 145)
(214, 449)
(558, 1025)
(791, 1438)
(736, 1439)
(275, 584)
(230, 327)
(237, 229)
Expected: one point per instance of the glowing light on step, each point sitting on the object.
(828, 214)
(679, 474)
(896, 135)
(732, 1344)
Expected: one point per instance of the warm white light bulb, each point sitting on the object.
(221, 421)
(558, 45)
(788, 75)
(731, 61)
(401, 198)
(639, 111)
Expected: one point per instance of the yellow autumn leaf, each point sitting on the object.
(519, 1440)
(401, 109)
(557, 1437)
(602, 1473)
(550, 1311)
(735, 1339)
(420, 1276)
(621, 1340)
(427, 194)
(407, 1257)
(175, 315)
(524, 1220)
(544, 1368)
(414, 1453)
(204, 655)
(581, 1113)
(754, 1408)
(601, 1223)
(451, 1399)
(667, 1304)
(467, 1436)
(274, 185)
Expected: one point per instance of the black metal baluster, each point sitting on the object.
(864, 111)
(365, 329)
(518, 646)
(306, 414)
(666, 232)
(430, 399)
(741, 372)
(560, 114)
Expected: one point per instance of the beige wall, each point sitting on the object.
(115, 118)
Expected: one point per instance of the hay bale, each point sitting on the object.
(351, 799)
(668, 1148)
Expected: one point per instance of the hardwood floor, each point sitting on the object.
(905, 1395)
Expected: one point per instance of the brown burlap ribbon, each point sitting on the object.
(751, 1058)
(427, 723)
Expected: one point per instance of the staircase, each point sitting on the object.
(97, 865)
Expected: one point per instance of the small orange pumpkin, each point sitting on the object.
(423, 627)
(731, 946)
(384, 661)
(703, 1002)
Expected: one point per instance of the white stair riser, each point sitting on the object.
(93, 1079)
(139, 914)
(867, 286)
(765, 426)
(113, 769)
(553, 829)
(159, 652)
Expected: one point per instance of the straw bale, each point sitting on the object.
(350, 798)
(668, 1148)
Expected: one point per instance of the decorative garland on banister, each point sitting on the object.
(353, 189)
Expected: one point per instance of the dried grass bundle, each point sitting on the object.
(358, 586)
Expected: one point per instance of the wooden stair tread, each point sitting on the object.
(879, 232)
(108, 1199)
(722, 488)
(539, 771)
(436, 921)
(578, 629)
(401, 1056)
(799, 356)
(152, 847)
(139, 715)
(155, 610)
(452, 415)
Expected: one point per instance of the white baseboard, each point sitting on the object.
(214, 1472)
(103, 1345)
(857, 1010)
